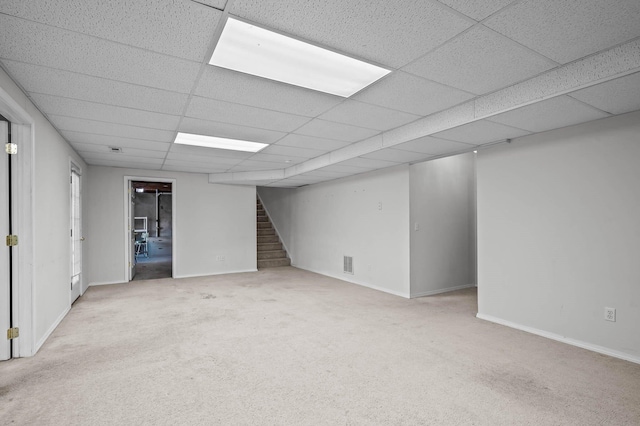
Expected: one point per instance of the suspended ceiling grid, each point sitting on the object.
(464, 74)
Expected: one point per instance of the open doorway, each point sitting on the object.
(152, 211)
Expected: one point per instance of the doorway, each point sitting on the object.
(152, 213)
(76, 233)
(16, 294)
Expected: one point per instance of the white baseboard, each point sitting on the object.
(441, 290)
(563, 339)
(106, 283)
(46, 335)
(352, 281)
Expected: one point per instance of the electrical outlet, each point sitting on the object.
(416, 226)
(610, 314)
(380, 205)
(220, 258)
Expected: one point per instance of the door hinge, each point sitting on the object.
(12, 240)
(11, 148)
(13, 333)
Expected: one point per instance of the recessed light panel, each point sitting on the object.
(253, 50)
(220, 143)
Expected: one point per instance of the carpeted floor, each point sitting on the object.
(288, 347)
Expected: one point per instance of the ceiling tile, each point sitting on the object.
(397, 155)
(368, 115)
(218, 4)
(191, 169)
(367, 163)
(292, 151)
(392, 33)
(553, 113)
(106, 140)
(480, 61)
(252, 165)
(195, 159)
(338, 131)
(433, 146)
(477, 10)
(182, 29)
(197, 166)
(126, 164)
(232, 86)
(227, 112)
(481, 132)
(121, 159)
(226, 130)
(616, 96)
(279, 160)
(568, 30)
(101, 112)
(47, 46)
(409, 93)
(199, 151)
(301, 141)
(37, 79)
(86, 148)
(110, 129)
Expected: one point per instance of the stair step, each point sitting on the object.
(264, 225)
(272, 254)
(268, 239)
(261, 211)
(269, 247)
(266, 232)
(272, 263)
(262, 218)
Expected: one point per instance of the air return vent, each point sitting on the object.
(348, 265)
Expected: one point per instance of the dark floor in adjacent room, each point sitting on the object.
(158, 263)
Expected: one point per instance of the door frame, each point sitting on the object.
(22, 133)
(74, 167)
(127, 235)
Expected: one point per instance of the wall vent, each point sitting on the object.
(115, 149)
(348, 265)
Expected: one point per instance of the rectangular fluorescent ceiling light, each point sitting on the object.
(220, 143)
(253, 50)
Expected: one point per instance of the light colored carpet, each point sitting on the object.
(287, 347)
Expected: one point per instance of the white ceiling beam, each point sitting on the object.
(598, 68)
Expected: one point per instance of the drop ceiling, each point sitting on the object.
(464, 75)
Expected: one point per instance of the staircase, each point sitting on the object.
(270, 250)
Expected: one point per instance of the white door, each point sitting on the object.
(5, 281)
(132, 234)
(76, 234)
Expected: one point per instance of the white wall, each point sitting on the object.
(51, 257)
(342, 217)
(211, 220)
(443, 210)
(559, 234)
